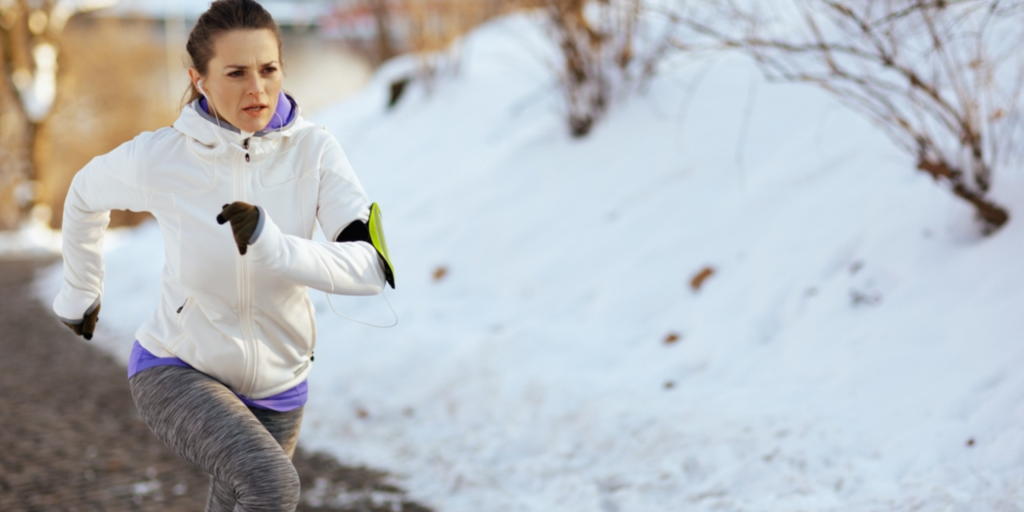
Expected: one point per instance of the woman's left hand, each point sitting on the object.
(244, 219)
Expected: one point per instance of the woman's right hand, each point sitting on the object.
(87, 325)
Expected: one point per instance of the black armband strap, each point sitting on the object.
(355, 232)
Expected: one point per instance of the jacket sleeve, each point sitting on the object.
(342, 268)
(351, 268)
(102, 185)
(342, 199)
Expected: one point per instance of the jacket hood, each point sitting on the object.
(216, 136)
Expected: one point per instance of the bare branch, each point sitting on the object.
(942, 78)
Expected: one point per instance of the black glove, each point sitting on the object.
(244, 219)
(87, 326)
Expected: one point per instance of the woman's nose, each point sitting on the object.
(255, 86)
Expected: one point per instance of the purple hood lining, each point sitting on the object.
(282, 115)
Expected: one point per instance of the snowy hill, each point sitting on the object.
(856, 348)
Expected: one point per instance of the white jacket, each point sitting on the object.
(244, 320)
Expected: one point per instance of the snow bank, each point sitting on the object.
(854, 349)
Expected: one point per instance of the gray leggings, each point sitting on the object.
(247, 451)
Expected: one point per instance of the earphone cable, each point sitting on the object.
(386, 301)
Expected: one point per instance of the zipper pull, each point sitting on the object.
(245, 144)
(247, 157)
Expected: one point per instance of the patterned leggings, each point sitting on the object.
(247, 451)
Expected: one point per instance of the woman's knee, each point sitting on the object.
(268, 485)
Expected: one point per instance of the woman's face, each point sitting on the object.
(243, 78)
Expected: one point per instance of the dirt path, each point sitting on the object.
(71, 440)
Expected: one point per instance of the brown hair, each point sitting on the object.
(225, 16)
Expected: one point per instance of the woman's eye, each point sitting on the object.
(235, 73)
(269, 70)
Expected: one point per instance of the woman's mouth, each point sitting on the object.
(255, 110)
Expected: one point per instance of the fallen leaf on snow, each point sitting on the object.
(703, 275)
(440, 272)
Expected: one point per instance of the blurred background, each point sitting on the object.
(651, 255)
(84, 76)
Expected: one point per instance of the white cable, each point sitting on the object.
(216, 131)
(386, 301)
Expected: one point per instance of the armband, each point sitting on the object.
(373, 234)
(377, 239)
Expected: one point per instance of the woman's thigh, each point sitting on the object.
(283, 426)
(201, 420)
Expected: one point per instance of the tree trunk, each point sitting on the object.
(16, 130)
(383, 18)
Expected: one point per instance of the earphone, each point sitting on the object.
(213, 110)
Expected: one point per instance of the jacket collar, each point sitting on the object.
(209, 131)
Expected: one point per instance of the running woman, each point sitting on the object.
(237, 185)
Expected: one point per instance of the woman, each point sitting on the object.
(219, 371)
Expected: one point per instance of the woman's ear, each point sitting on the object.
(197, 79)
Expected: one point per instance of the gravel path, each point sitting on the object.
(71, 439)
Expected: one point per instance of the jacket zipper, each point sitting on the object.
(245, 292)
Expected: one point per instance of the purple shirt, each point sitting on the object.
(282, 114)
(142, 359)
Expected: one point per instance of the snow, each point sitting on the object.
(855, 348)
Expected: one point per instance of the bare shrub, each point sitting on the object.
(585, 81)
(942, 78)
(434, 25)
(608, 47)
(429, 29)
(433, 29)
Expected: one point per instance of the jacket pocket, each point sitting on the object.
(209, 346)
(173, 345)
(308, 358)
(181, 309)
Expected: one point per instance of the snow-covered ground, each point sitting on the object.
(857, 347)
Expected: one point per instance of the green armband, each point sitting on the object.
(377, 239)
